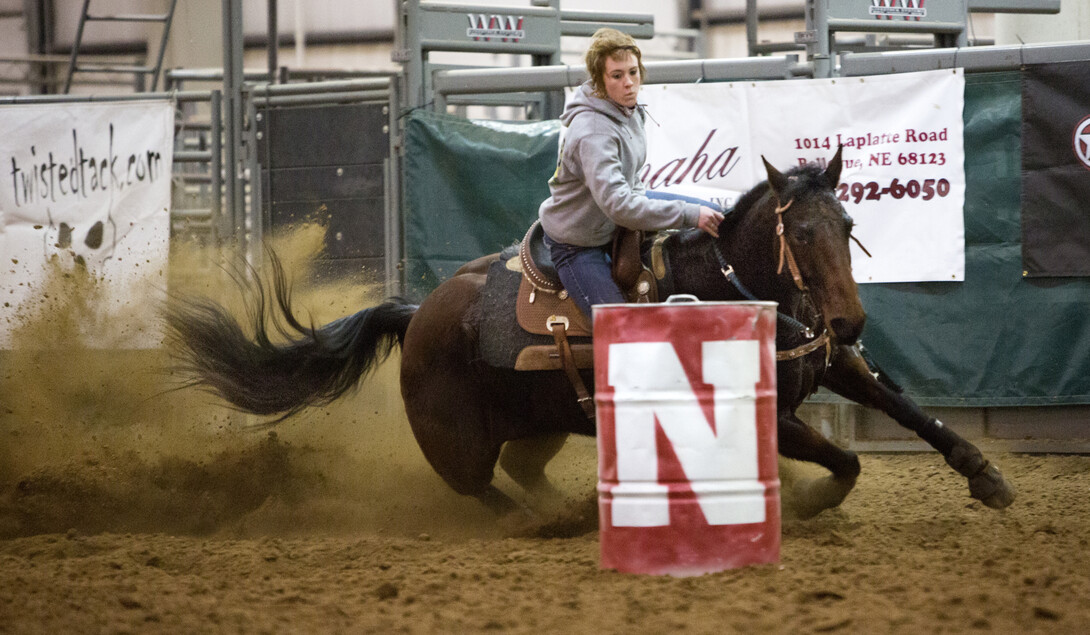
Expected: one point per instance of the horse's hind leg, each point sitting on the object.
(799, 441)
(445, 400)
(524, 460)
(851, 376)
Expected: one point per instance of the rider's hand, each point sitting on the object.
(709, 220)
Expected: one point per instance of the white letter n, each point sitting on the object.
(718, 458)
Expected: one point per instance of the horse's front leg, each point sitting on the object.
(799, 441)
(851, 376)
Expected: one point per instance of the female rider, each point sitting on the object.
(595, 187)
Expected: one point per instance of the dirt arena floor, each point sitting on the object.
(128, 509)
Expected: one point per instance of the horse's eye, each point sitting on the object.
(803, 234)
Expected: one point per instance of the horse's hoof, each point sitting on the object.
(989, 487)
(966, 459)
(810, 498)
(802, 509)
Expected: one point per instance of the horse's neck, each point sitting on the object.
(695, 268)
(748, 248)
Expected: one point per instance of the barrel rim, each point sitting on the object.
(682, 305)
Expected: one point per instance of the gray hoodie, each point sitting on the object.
(596, 186)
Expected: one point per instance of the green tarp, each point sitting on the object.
(996, 339)
(471, 188)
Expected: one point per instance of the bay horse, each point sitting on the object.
(786, 240)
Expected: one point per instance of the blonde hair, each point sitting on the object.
(609, 43)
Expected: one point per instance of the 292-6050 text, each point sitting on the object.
(872, 191)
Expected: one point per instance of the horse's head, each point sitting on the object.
(811, 243)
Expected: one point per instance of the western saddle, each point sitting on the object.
(544, 307)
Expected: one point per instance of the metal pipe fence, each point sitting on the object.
(471, 86)
(369, 90)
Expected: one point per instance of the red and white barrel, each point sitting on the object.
(687, 469)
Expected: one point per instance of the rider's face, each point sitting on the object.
(622, 79)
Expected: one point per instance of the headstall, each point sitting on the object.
(785, 249)
(822, 340)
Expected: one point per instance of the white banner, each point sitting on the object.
(86, 186)
(903, 180)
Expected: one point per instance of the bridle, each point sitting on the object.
(785, 249)
(815, 343)
(786, 322)
(786, 255)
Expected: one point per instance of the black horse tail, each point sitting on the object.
(313, 367)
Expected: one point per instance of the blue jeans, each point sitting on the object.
(586, 273)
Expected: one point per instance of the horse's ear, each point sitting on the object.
(832, 172)
(775, 179)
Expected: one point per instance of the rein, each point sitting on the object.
(822, 340)
(799, 351)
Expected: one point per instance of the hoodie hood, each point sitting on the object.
(585, 100)
(597, 186)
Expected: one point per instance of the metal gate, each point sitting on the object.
(326, 164)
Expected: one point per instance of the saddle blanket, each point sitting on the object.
(501, 339)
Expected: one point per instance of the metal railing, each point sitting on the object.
(451, 83)
(973, 60)
(373, 90)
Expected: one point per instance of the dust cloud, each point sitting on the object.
(129, 505)
(95, 437)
